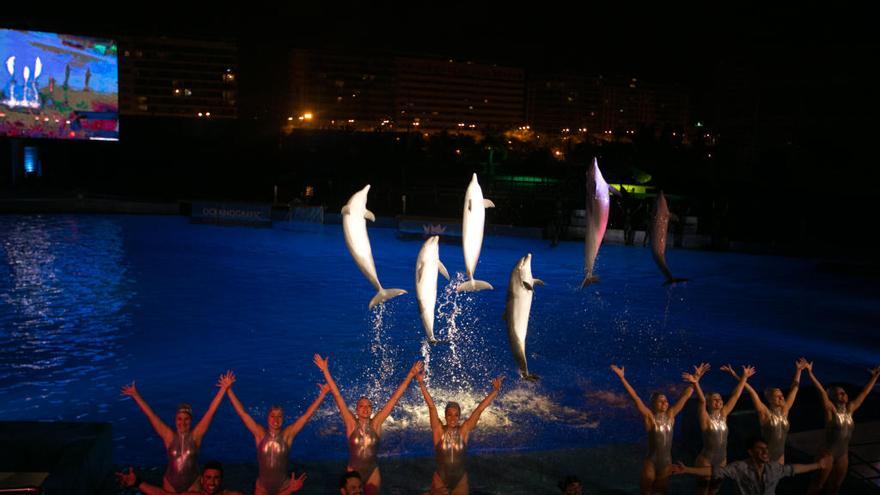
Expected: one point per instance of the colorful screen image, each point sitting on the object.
(58, 86)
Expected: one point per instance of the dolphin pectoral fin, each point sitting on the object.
(674, 217)
(487, 203)
(345, 210)
(469, 204)
(529, 376)
(474, 286)
(369, 215)
(672, 281)
(442, 269)
(527, 285)
(590, 279)
(419, 270)
(615, 191)
(504, 316)
(537, 281)
(384, 295)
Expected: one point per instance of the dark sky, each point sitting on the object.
(663, 38)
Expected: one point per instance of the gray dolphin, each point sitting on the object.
(519, 305)
(354, 225)
(659, 229)
(428, 265)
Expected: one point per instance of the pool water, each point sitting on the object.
(91, 303)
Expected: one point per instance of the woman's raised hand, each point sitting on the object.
(749, 371)
(701, 369)
(324, 388)
(226, 380)
(130, 390)
(689, 377)
(320, 362)
(496, 383)
(802, 364)
(618, 370)
(417, 368)
(729, 370)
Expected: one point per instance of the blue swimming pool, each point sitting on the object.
(90, 303)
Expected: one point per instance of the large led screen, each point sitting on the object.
(58, 86)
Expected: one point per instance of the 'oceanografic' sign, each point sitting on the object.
(255, 214)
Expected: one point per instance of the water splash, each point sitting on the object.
(383, 352)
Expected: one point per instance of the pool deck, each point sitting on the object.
(75, 458)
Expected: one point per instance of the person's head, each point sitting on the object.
(774, 397)
(758, 450)
(714, 401)
(453, 413)
(659, 402)
(212, 477)
(183, 418)
(570, 485)
(837, 395)
(350, 484)
(364, 408)
(275, 418)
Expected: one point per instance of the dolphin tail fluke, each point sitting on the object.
(530, 376)
(384, 295)
(673, 280)
(474, 285)
(591, 279)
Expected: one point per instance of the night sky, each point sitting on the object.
(826, 53)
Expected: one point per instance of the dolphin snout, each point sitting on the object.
(366, 188)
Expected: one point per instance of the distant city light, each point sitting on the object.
(307, 116)
(289, 118)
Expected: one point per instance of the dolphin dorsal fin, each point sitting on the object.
(346, 210)
(369, 215)
(442, 269)
(487, 203)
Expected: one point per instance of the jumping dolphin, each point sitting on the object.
(472, 223)
(659, 228)
(596, 216)
(519, 304)
(427, 266)
(354, 225)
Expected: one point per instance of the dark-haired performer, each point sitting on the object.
(659, 421)
(211, 482)
(755, 475)
(182, 445)
(273, 444)
(839, 427)
(451, 439)
(362, 428)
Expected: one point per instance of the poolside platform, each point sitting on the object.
(64, 457)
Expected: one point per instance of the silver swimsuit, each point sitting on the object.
(272, 459)
(660, 441)
(774, 432)
(183, 462)
(450, 454)
(363, 445)
(715, 440)
(839, 431)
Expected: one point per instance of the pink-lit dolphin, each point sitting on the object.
(596, 217)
